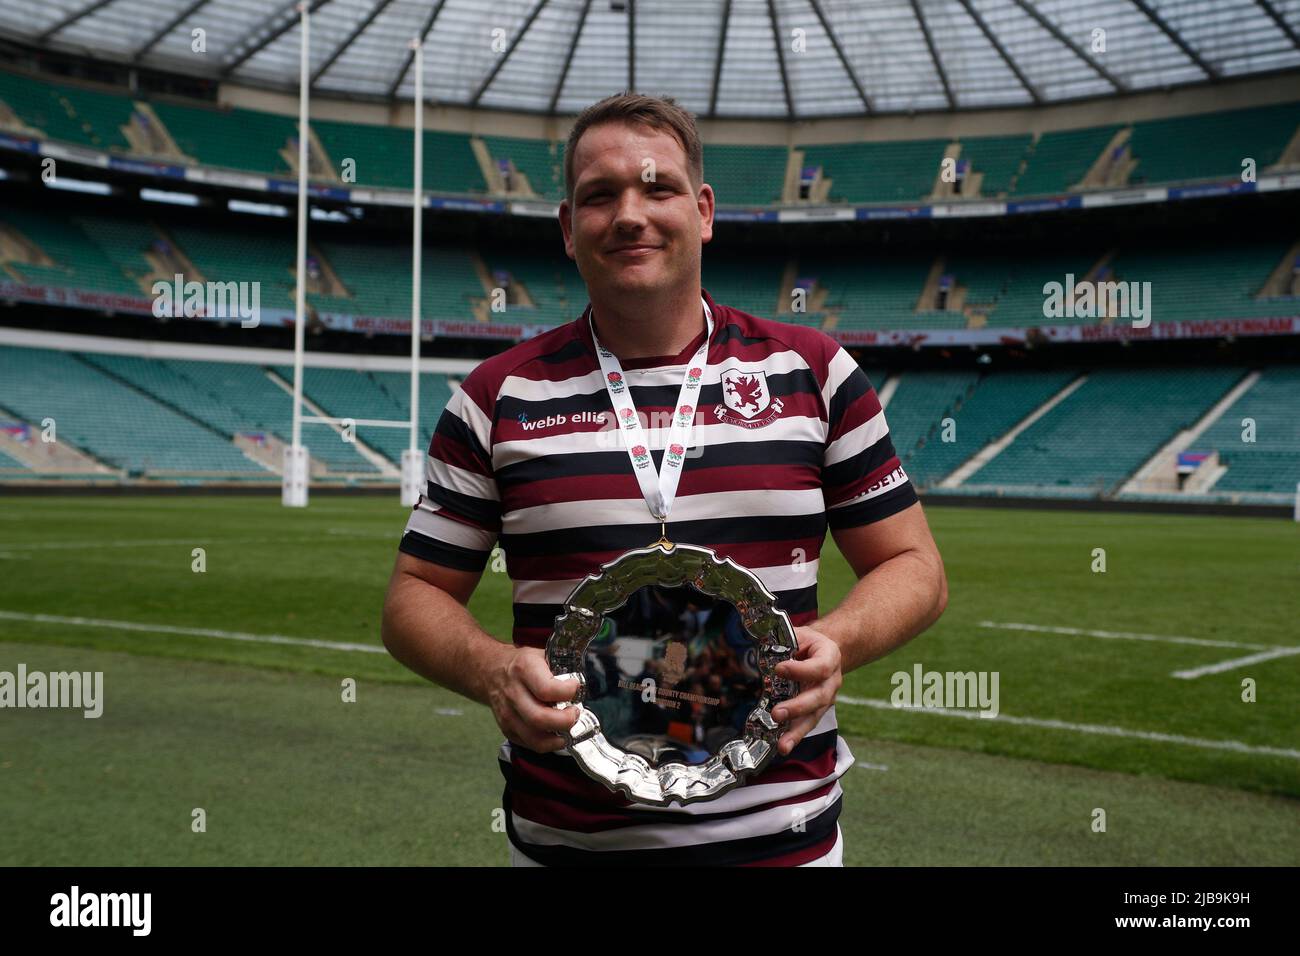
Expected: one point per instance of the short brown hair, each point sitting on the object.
(657, 112)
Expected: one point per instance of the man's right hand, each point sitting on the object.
(521, 692)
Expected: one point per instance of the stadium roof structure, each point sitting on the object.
(770, 59)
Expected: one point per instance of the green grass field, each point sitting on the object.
(256, 734)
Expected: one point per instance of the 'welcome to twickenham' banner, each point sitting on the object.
(515, 331)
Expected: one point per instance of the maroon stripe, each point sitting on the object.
(863, 484)
(457, 454)
(623, 485)
(862, 409)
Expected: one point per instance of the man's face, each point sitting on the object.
(636, 224)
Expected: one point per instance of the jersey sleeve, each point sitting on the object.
(862, 479)
(458, 517)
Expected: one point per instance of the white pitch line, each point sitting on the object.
(191, 632)
(1236, 662)
(871, 766)
(1126, 635)
(1099, 729)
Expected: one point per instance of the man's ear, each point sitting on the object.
(704, 201)
(566, 228)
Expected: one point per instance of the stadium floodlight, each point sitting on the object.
(167, 196)
(293, 490)
(412, 459)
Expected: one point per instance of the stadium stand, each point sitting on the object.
(746, 175)
(995, 405)
(997, 157)
(1106, 429)
(248, 140)
(1271, 463)
(1059, 160)
(77, 261)
(878, 172)
(261, 404)
(1211, 144)
(918, 406)
(541, 161)
(108, 418)
(70, 114)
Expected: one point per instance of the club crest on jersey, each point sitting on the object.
(616, 383)
(675, 453)
(745, 399)
(640, 455)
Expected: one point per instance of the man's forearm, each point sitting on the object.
(886, 608)
(434, 635)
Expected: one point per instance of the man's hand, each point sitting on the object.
(521, 690)
(816, 666)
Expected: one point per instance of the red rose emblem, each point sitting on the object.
(615, 377)
(685, 410)
(696, 372)
(638, 450)
(627, 413)
(676, 449)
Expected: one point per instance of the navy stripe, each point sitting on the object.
(440, 552)
(481, 511)
(614, 463)
(454, 428)
(858, 466)
(725, 853)
(873, 509)
(850, 390)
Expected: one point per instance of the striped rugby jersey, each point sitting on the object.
(789, 439)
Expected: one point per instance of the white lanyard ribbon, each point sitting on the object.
(658, 491)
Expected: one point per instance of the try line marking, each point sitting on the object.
(190, 631)
(1098, 729)
(1234, 745)
(1268, 651)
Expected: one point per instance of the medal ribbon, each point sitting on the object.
(658, 490)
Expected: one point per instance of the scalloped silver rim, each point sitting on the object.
(672, 565)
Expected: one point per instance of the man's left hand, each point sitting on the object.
(816, 668)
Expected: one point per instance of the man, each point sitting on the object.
(789, 439)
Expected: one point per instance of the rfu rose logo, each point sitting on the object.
(684, 413)
(640, 455)
(693, 376)
(675, 453)
(629, 417)
(616, 383)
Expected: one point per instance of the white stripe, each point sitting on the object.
(615, 512)
(1099, 729)
(1236, 662)
(464, 408)
(426, 521)
(786, 427)
(779, 578)
(460, 480)
(191, 632)
(593, 382)
(858, 439)
(1123, 635)
(838, 371)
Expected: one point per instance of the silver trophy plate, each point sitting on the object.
(675, 652)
